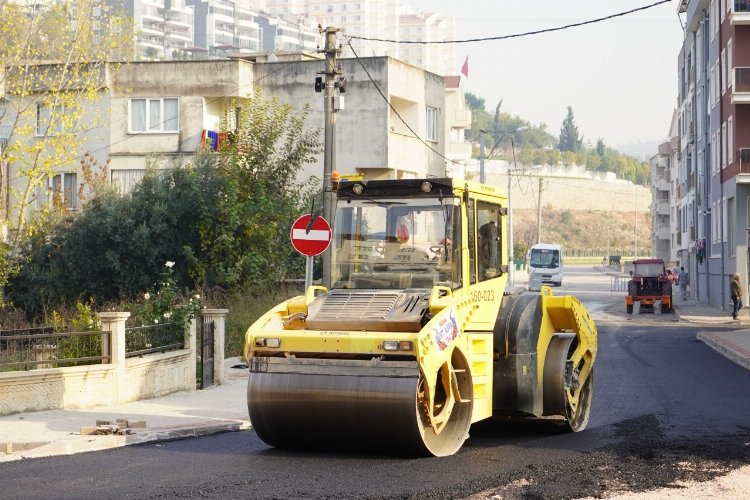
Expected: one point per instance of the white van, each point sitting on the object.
(545, 263)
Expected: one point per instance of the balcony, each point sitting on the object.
(741, 86)
(741, 14)
(662, 233)
(662, 208)
(461, 118)
(743, 155)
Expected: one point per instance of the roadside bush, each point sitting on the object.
(164, 303)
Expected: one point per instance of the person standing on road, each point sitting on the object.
(737, 292)
(683, 279)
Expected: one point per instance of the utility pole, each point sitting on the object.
(539, 213)
(636, 220)
(481, 156)
(329, 109)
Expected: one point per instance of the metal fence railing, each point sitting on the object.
(33, 348)
(153, 338)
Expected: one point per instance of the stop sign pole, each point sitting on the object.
(310, 236)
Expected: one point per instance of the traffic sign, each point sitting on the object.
(310, 239)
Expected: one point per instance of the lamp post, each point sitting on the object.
(481, 155)
(511, 271)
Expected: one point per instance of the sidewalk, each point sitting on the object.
(732, 344)
(184, 414)
(224, 408)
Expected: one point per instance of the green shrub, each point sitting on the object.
(244, 310)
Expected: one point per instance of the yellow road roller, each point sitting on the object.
(418, 337)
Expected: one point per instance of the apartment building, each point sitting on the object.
(428, 27)
(202, 29)
(457, 120)
(403, 139)
(713, 171)
(660, 189)
(164, 27)
(375, 19)
(158, 113)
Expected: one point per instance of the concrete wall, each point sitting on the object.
(205, 90)
(565, 188)
(369, 135)
(121, 381)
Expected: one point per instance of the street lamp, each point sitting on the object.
(511, 272)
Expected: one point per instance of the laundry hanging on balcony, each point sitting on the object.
(213, 140)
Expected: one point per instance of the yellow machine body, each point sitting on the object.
(416, 341)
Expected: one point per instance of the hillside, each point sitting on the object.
(586, 232)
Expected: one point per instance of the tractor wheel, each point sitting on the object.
(629, 308)
(632, 289)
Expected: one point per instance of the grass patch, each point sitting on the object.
(244, 310)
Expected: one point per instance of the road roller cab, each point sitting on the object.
(417, 338)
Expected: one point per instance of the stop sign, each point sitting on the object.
(310, 239)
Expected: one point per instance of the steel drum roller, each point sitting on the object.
(346, 404)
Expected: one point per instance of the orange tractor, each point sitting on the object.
(649, 284)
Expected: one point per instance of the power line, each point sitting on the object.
(516, 35)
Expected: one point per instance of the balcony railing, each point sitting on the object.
(744, 156)
(740, 85)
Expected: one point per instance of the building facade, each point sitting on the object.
(428, 27)
(159, 113)
(714, 104)
(374, 19)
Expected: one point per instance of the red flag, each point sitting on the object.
(465, 67)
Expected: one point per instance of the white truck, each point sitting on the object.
(545, 265)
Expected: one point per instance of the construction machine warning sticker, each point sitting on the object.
(446, 330)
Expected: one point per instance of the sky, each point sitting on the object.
(619, 76)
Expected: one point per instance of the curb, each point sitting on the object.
(79, 444)
(726, 348)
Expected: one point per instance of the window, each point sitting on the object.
(711, 85)
(489, 238)
(724, 221)
(431, 123)
(154, 115)
(48, 120)
(714, 216)
(730, 233)
(64, 188)
(723, 144)
(714, 163)
(730, 65)
(730, 140)
(472, 236)
(723, 70)
(125, 180)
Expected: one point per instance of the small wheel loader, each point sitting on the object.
(418, 336)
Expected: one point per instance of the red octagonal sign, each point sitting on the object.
(310, 239)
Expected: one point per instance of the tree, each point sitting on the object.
(601, 149)
(474, 102)
(54, 66)
(569, 140)
(224, 221)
